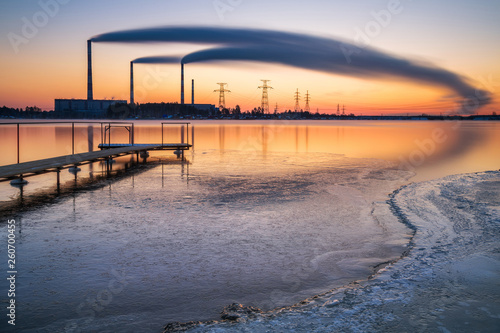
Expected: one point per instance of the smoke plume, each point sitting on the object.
(158, 60)
(303, 51)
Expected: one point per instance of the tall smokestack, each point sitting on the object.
(192, 92)
(90, 90)
(131, 82)
(182, 84)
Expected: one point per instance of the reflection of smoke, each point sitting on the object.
(299, 50)
(157, 60)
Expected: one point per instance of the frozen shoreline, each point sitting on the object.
(448, 282)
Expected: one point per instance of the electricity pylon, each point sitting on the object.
(222, 96)
(265, 96)
(297, 99)
(308, 99)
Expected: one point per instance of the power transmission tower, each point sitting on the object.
(343, 110)
(276, 109)
(222, 97)
(265, 96)
(338, 109)
(308, 98)
(297, 99)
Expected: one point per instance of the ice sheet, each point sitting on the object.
(449, 281)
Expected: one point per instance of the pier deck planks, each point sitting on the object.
(41, 166)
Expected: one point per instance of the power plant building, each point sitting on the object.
(88, 108)
(91, 108)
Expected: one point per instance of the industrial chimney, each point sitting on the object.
(131, 82)
(182, 84)
(90, 93)
(192, 92)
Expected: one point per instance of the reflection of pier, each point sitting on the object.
(17, 172)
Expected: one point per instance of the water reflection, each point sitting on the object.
(51, 185)
(463, 147)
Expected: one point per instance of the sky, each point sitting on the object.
(43, 52)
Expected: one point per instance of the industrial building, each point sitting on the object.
(91, 108)
(88, 108)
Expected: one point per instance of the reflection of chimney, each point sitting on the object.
(182, 84)
(90, 93)
(131, 82)
(192, 92)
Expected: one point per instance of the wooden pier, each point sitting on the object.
(157, 146)
(19, 171)
(27, 169)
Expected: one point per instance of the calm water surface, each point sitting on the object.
(260, 213)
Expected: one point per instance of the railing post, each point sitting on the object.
(192, 136)
(182, 134)
(162, 134)
(17, 143)
(187, 132)
(73, 138)
(90, 137)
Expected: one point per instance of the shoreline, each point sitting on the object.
(382, 294)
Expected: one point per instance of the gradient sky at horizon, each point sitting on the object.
(460, 36)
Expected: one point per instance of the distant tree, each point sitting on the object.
(237, 110)
(120, 111)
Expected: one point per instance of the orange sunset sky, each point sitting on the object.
(50, 61)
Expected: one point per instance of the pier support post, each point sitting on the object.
(19, 181)
(58, 181)
(108, 163)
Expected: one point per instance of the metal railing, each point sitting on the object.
(106, 129)
(103, 133)
(184, 125)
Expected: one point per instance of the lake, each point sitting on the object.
(262, 213)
